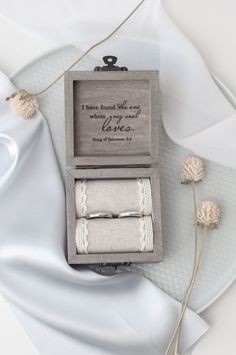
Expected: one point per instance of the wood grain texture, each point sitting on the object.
(112, 132)
(111, 118)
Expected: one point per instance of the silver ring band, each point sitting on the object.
(123, 214)
(99, 215)
(130, 214)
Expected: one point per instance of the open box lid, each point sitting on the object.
(112, 118)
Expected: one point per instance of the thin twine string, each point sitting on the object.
(203, 239)
(194, 263)
(91, 48)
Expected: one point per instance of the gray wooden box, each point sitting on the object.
(112, 132)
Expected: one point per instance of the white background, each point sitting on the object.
(211, 25)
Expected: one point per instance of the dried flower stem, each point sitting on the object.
(194, 264)
(199, 257)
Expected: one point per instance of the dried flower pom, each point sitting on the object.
(22, 103)
(208, 214)
(192, 170)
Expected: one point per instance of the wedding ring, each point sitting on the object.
(110, 215)
(130, 214)
(99, 215)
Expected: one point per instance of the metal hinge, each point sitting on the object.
(115, 265)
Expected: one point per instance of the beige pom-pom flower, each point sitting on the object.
(192, 170)
(22, 103)
(208, 214)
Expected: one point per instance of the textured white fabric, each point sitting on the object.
(114, 235)
(81, 198)
(81, 235)
(145, 196)
(146, 230)
(113, 196)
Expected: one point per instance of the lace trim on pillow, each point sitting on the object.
(81, 197)
(81, 236)
(146, 239)
(145, 196)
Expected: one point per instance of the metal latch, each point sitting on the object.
(110, 61)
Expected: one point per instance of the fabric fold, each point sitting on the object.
(82, 311)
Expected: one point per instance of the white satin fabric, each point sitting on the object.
(79, 311)
(63, 309)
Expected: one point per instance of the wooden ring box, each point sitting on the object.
(112, 120)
